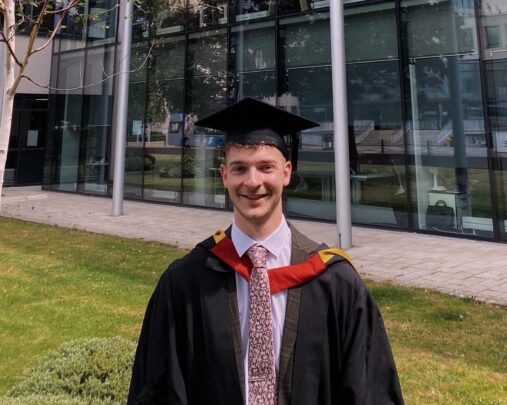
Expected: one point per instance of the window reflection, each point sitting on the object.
(97, 111)
(253, 61)
(207, 13)
(246, 10)
(291, 6)
(206, 93)
(376, 137)
(134, 160)
(102, 21)
(494, 36)
(306, 90)
(163, 132)
(68, 119)
(169, 16)
(447, 133)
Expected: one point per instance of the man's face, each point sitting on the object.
(255, 178)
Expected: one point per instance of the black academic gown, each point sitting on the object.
(334, 346)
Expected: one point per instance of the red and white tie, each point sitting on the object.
(261, 354)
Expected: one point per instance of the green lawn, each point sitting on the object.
(57, 285)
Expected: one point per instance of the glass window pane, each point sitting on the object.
(493, 25)
(447, 139)
(207, 67)
(439, 28)
(253, 61)
(248, 10)
(169, 16)
(306, 40)
(297, 6)
(307, 90)
(33, 128)
(376, 138)
(492, 36)
(97, 110)
(164, 124)
(102, 21)
(206, 93)
(11, 167)
(68, 119)
(72, 32)
(14, 138)
(156, 18)
(207, 13)
(134, 161)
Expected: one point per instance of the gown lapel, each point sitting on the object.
(219, 312)
(302, 249)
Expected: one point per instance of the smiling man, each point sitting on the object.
(260, 314)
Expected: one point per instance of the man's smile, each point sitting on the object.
(254, 197)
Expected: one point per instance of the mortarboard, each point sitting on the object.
(251, 122)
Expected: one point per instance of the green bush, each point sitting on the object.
(45, 400)
(94, 370)
(136, 163)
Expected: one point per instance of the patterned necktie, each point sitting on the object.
(261, 355)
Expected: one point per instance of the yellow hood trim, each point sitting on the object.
(328, 254)
(218, 235)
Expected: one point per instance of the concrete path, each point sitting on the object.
(465, 268)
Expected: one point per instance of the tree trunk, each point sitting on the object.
(9, 92)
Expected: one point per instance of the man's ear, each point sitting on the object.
(223, 174)
(287, 172)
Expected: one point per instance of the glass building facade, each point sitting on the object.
(427, 105)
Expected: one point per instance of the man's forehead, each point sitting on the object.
(246, 152)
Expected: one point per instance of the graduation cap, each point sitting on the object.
(253, 122)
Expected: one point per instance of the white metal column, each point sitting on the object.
(340, 125)
(121, 109)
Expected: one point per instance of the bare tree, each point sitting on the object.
(24, 17)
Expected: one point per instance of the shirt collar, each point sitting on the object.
(274, 243)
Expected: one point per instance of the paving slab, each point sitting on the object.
(462, 267)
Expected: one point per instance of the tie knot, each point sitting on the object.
(258, 256)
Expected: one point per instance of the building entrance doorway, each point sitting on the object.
(25, 159)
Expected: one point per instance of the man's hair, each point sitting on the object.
(228, 145)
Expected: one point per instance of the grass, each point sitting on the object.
(58, 284)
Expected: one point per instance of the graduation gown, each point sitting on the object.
(334, 345)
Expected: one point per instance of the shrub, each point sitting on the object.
(136, 163)
(94, 370)
(45, 400)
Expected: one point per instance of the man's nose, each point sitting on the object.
(252, 178)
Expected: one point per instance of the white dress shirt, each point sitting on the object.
(279, 245)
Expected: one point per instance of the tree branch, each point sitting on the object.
(51, 37)
(46, 86)
(66, 9)
(9, 48)
(63, 13)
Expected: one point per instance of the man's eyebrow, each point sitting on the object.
(264, 161)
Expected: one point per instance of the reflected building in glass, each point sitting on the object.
(427, 105)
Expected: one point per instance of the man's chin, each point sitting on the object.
(255, 215)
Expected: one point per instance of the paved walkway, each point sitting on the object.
(460, 267)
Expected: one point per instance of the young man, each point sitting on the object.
(260, 314)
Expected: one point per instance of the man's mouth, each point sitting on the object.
(254, 197)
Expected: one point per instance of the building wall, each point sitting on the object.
(38, 69)
(425, 104)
